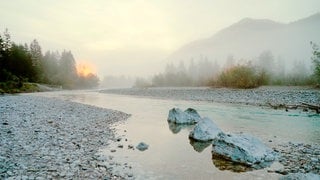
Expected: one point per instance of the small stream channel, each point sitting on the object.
(171, 155)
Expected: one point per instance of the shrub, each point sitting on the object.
(242, 76)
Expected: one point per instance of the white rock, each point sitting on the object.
(243, 148)
(190, 116)
(205, 130)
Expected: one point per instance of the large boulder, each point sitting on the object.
(189, 116)
(205, 130)
(244, 149)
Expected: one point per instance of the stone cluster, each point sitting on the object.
(260, 96)
(44, 138)
(299, 158)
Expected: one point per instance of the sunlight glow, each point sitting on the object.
(85, 68)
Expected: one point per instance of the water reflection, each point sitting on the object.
(218, 161)
(176, 128)
(171, 155)
(199, 146)
(223, 164)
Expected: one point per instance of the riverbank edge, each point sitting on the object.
(48, 138)
(276, 97)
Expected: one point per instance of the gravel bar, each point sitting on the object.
(261, 96)
(299, 158)
(47, 138)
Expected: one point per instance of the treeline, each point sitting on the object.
(264, 70)
(26, 63)
(195, 74)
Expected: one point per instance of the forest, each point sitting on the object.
(264, 70)
(23, 65)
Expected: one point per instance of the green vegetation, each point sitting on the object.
(316, 61)
(22, 64)
(242, 76)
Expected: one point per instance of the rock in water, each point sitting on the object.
(142, 146)
(189, 116)
(298, 176)
(244, 149)
(193, 113)
(205, 130)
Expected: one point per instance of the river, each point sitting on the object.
(171, 155)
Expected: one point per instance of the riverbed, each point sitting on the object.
(171, 155)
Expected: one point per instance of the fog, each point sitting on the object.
(144, 38)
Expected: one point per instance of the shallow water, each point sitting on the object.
(171, 155)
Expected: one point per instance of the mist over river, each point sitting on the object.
(171, 155)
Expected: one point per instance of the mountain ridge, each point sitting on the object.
(249, 37)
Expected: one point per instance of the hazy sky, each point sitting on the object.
(129, 36)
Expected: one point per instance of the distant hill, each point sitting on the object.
(248, 38)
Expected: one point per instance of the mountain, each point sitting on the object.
(248, 38)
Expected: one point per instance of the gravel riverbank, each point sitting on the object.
(299, 158)
(46, 138)
(260, 96)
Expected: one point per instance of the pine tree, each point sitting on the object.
(35, 52)
(67, 69)
(316, 61)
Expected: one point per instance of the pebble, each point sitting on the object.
(299, 158)
(142, 146)
(47, 138)
(258, 96)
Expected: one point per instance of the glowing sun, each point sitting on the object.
(85, 68)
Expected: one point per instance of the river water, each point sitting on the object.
(171, 155)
